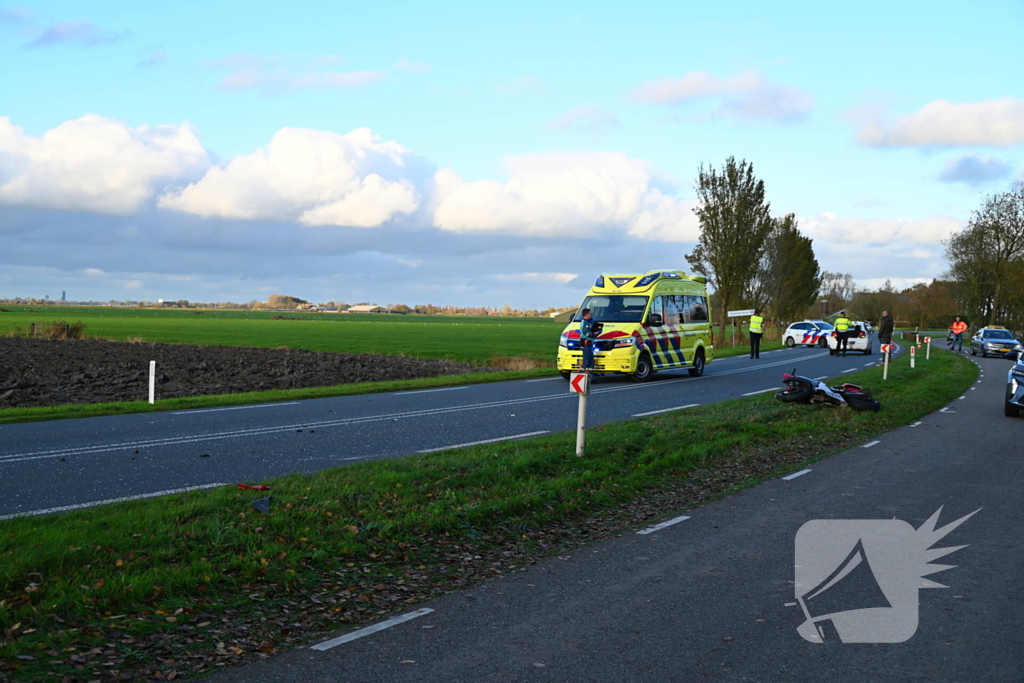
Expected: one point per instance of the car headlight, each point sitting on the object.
(564, 341)
(625, 341)
(1017, 371)
(989, 345)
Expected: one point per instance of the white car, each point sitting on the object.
(859, 338)
(809, 332)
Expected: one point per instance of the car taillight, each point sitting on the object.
(833, 334)
(862, 335)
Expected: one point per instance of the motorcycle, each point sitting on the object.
(801, 389)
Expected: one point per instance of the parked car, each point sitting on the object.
(1015, 384)
(994, 340)
(859, 338)
(809, 332)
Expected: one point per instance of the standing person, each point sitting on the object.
(958, 328)
(587, 340)
(842, 332)
(756, 330)
(885, 328)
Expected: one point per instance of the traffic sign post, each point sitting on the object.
(745, 313)
(927, 348)
(579, 383)
(886, 350)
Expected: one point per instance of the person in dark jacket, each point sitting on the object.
(885, 329)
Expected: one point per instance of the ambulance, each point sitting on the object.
(659, 320)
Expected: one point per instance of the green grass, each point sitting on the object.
(479, 340)
(372, 537)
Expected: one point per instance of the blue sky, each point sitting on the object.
(481, 154)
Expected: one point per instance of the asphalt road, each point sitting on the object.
(706, 598)
(79, 462)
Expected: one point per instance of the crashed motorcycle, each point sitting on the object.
(801, 389)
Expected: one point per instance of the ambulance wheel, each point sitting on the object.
(698, 364)
(644, 369)
(566, 375)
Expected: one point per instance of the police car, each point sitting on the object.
(857, 339)
(994, 340)
(809, 332)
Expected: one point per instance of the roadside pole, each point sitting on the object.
(912, 350)
(733, 315)
(886, 349)
(152, 382)
(579, 383)
(927, 348)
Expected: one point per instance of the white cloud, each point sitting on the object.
(588, 119)
(990, 123)
(538, 278)
(95, 164)
(78, 32)
(747, 95)
(565, 195)
(308, 176)
(974, 169)
(828, 227)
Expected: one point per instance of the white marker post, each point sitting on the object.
(886, 349)
(152, 382)
(912, 350)
(580, 384)
(927, 348)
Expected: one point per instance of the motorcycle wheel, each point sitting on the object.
(795, 396)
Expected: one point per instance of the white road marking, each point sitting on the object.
(349, 637)
(820, 378)
(427, 391)
(762, 391)
(796, 474)
(916, 423)
(850, 370)
(962, 398)
(946, 410)
(259, 431)
(667, 410)
(542, 379)
(973, 388)
(138, 496)
(869, 364)
(478, 443)
(657, 527)
(213, 410)
(870, 444)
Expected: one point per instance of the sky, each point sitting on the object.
(482, 154)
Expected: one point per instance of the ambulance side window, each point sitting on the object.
(656, 307)
(697, 309)
(673, 314)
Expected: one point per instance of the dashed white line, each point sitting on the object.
(869, 364)
(973, 388)
(916, 423)
(962, 398)
(666, 410)
(656, 527)
(542, 379)
(427, 391)
(820, 378)
(762, 391)
(850, 370)
(479, 443)
(870, 444)
(946, 410)
(213, 410)
(138, 496)
(349, 637)
(796, 474)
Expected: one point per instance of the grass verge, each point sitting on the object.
(172, 587)
(514, 368)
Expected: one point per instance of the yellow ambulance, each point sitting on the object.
(659, 320)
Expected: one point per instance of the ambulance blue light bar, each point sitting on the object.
(600, 281)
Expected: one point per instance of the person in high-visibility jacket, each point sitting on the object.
(958, 328)
(842, 333)
(756, 330)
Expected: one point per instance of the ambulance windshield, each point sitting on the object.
(614, 308)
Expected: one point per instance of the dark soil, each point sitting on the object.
(43, 372)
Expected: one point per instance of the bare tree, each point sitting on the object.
(734, 224)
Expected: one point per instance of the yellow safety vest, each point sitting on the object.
(755, 323)
(842, 324)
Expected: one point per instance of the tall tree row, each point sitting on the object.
(750, 258)
(986, 260)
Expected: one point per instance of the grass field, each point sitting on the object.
(182, 583)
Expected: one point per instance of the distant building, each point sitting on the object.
(564, 316)
(367, 308)
(64, 296)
